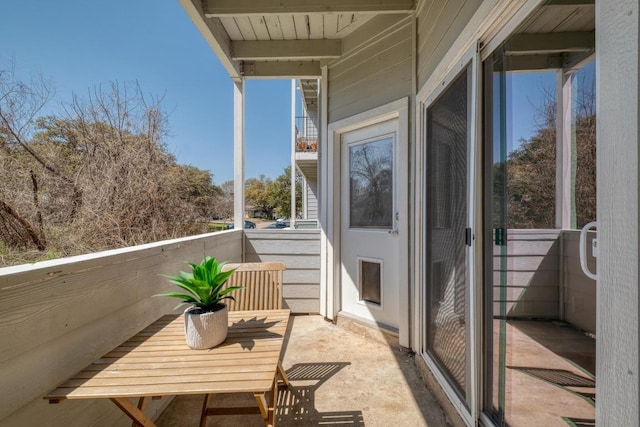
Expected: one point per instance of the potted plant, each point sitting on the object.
(206, 321)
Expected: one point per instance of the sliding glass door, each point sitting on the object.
(539, 183)
(514, 344)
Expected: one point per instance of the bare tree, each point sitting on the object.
(117, 151)
(223, 204)
(531, 169)
(20, 103)
(98, 177)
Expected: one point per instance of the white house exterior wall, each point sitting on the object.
(312, 200)
(439, 25)
(618, 139)
(375, 69)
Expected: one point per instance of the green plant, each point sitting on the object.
(205, 285)
(214, 226)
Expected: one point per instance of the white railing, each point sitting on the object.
(300, 251)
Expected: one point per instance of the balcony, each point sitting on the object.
(58, 316)
(307, 146)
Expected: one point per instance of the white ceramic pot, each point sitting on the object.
(205, 330)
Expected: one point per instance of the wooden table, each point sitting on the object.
(157, 362)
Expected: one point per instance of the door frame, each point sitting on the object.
(430, 93)
(398, 110)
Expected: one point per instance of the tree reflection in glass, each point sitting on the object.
(371, 184)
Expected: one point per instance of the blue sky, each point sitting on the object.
(526, 98)
(525, 101)
(82, 44)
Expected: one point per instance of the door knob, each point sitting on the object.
(583, 250)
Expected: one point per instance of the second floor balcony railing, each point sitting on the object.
(306, 135)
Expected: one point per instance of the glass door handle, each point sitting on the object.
(583, 250)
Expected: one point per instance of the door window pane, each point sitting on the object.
(371, 184)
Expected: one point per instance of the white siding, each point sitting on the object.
(539, 262)
(300, 251)
(312, 199)
(440, 22)
(58, 316)
(375, 69)
(618, 142)
(532, 274)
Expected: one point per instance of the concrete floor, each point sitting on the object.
(549, 375)
(338, 377)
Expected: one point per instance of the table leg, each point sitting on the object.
(268, 409)
(283, 375)
(133, 412)
(262, 404)
(142, 403)
(205, 410)
(271, 419)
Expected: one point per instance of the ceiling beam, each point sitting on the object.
(534, 62)
(286, 49)
(215, 34)
(222, 8)
(281, 70)
(574, 61)
(567, 62)
(546, 43)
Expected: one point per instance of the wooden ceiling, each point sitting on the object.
(283, 38)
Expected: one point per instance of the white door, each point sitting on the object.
(371, 218)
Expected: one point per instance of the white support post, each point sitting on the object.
(293, 154)
(238, 154)
(559, 149)
(565, 151)
(326, 278)
(618, 213)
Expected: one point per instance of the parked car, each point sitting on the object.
(278, 225)
(247, 224)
